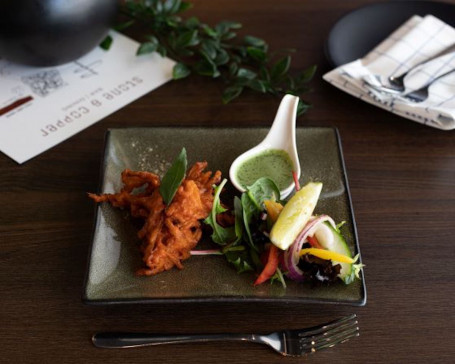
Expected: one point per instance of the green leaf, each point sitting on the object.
(179, 71)
(223, 27)
(222, 57)
(263, 189)
(255, 42)
(257, 54)
(209, 47)
(220, 235)
(147, 47)
(206, 68)
(158, 5)
(232, 24)
(339, 226)
(124, 25)
(173, 177)
(278, 276)
(239, 259)
(209, 31)
(355, 271)
(291, 83)
(192, 22)
(171, 6)
(254, 255)
(161, 50)
(242, 81)
(308, 74)
(231, 92)
(233, 68)
(186, 52)
(249, 212)
(106, 43)
(228, 36)
(238, 211)
(257, 85)
(172, 21)
(184, 5)
(302, 107)
(264, 73)
(172, 40)
(187, 39)
(280, 68)
(246, 73)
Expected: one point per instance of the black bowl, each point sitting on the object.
(362, 29)
(52, 32)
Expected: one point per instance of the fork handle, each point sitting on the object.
(445, 51)
(440, 76)
(114, 340)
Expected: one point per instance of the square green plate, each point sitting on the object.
(114, 257)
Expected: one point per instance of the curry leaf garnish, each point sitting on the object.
(173, 177)
(243, 63)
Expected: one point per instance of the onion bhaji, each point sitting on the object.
(169, 232)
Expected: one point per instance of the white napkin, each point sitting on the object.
(416, 40)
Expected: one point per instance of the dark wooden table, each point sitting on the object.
(402, 178)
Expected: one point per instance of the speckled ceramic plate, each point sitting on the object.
(114, 256)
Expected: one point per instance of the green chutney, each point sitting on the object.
(273, 163)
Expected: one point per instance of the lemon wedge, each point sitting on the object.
(295, 215)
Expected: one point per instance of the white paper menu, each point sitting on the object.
(41, 107)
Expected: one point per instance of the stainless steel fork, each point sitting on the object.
(287, 342)
(422, 94)
(395, 84)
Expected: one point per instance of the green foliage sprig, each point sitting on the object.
(215, 51)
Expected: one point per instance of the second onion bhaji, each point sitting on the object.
(169, 232)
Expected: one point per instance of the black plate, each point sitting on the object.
(359, 31)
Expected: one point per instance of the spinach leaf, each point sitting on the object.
(253, 203)
(220, 235)
(254, 255)
(249, 211)
(173, 177)
(263, 189)
(238, 211)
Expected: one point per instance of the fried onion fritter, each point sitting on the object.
(169, 233)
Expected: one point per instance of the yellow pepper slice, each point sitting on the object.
(273, 209)
(327, 255)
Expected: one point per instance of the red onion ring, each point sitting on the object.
(291, 255)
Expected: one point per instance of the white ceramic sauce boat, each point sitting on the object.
(280, 136)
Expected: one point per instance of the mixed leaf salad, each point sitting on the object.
(277, 239)
(281, 239)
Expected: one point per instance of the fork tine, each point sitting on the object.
(336, 339)
(316, 330)
(310, 341)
